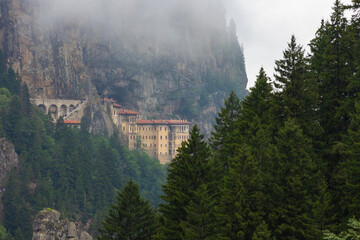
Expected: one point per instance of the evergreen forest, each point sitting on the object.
(282, 163)
(63, 168)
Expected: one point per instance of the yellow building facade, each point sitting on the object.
(158, 138)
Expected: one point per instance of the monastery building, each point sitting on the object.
(158, 138)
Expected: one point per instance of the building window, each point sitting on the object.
(123, 128)
(154, 137)
(143, 137)
(155, 145)
(165, 137)
(160, 153)
(160, 137)
(150, 145)
(160, 128)
(160, 145)
(165, 128)
(165, 145)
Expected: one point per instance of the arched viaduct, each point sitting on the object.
(58, 107)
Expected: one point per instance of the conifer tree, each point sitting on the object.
(200, 212)
(222, 138)
(331, 66)
(335, 71)
(187, 172)
(240, 209)
(296, 187)
(130, 218)
(348, 174)
(296, 99)
(262, 233)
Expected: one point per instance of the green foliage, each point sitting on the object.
(262, 233)
(3, 233)
(187, 172)
(352, 233)
(130, 217)
(200, 220)
(63, 168)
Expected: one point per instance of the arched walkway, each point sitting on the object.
(63, 110)
(53, 110)
(42, 108)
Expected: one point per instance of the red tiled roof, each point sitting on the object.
(116, 105)
(107, 99)
(72, 122)
(127, 112)
(163, 122)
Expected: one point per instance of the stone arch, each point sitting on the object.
(42, 107)
(63, 110)
(53, 110)
(71, 107)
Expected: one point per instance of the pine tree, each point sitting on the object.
(296, 99)
(240, 209)
(334, 67)
(187, 172)
(295, 188)
(199, 223)
(130, 218)
(262, 233)
(331, 65)
(223, 136)
(348, 174)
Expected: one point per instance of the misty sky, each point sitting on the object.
(265, 27)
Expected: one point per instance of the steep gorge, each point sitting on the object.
(165, 60)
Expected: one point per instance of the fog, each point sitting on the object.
(166, 21)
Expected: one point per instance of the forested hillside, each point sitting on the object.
(284, 162)
(61, 167)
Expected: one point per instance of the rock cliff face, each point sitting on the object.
(8, 160)
(49, 225)
(181, 69)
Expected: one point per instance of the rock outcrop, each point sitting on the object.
(50, 225)
(8, 160)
